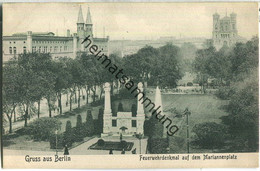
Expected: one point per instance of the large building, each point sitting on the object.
(225, 31)
(57, 46)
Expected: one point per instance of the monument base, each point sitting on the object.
(105, 134)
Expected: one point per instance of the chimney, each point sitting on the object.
(68, 33)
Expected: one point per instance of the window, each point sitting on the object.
(114, 123)
(24, 42)
(133, 123)
(50, 48)
(55, 48)
(40, 48)
(60, 48)
(24, 49)
(10, 50)
(14, 50)
(14, 42)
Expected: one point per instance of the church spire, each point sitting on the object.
(80, 16)
(88, 20)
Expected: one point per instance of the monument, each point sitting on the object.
(124, 123)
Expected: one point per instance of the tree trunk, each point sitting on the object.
(59, 100)
(10, 124)
(78, 97)
(26, 115)
(101, 92)
(71, 101)
(112, 88)
(67, 97)
(75, 95)
(87, 91)
(14, 115)
(94, 93)
(49, 106)
(39, 106)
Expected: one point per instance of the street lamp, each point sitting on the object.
(187, 113)
(56, 133)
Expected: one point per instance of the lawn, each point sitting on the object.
(203, 108)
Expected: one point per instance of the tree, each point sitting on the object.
(63, 78)
(140, 65)
(209, 135)
(100, 121)
(33, 83)
(201, 63)
(11, 96)
(242, 119)
(42, 128)
(89, 125)
(79, 133)
(168, 69)
(68, 135)
(244, 58)
(156, 128)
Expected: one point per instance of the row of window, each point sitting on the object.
(226, 27)
(14, 42)
(47, 42)
(49, 49)
(12, 50)
(114, 123)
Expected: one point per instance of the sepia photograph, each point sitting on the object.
(130, 85)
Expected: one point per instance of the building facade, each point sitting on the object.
(57, 46)
(225, 31)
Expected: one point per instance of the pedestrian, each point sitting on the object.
(110, 151)
(123, 151)
(66, 150)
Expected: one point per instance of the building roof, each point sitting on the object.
(100, 39)
(35, 34)
(80, 16)
(88, 20)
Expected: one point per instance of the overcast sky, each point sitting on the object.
(129, 20)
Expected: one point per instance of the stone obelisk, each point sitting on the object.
(140, 117)
(158, 99)
(107, 110)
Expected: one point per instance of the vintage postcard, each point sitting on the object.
(130, 85)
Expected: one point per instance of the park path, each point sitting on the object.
(44, 112)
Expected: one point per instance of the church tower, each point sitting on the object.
(80, 25)
(89, 25)
(216, 26)
(224, 30)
